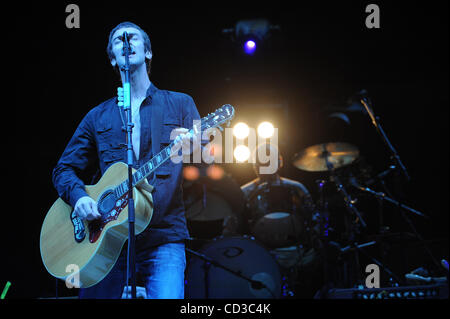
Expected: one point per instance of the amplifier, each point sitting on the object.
(436, 291)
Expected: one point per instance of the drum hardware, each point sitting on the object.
(324, 225)
(317, 161)
(210, 274)
(325, 155)
(351, 247)
(255, 284)
(277, 215)
(354, 245)
(213, 207)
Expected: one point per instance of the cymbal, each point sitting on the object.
(314, 158)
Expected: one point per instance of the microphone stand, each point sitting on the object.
(365, 101)
(375, 121)
(382, 196)
(131, 258)
(255, 284)
(324, 228)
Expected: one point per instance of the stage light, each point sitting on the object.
(241, 153)
(251, 33)
(249, 46)
(191, 173)
(265, 129)
(241, 130)
(215, 172)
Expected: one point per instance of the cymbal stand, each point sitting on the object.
(351, 209)
(323, 211)
(341, 189)
(354, 212)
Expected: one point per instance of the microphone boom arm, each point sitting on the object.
(375, 121)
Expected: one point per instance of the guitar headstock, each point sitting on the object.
(222, 115)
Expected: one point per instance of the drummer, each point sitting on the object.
(274, 178)
(293, 261)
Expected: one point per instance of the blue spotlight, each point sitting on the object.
(250, 46)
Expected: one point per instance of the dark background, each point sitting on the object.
(322, 55)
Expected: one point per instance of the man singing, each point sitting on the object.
(99, 142)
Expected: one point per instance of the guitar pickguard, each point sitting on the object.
(96, 226)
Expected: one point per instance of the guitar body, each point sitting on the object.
(96, 253)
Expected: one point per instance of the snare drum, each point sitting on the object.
(239, 254)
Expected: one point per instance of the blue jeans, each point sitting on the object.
(162, 269)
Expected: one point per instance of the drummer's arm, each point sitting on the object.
(249, 188)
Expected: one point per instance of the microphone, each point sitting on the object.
(125, 38)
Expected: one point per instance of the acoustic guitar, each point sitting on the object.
(68, 243)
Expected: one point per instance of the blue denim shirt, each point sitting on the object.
(99, 141)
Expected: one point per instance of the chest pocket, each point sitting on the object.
(111, 153)
(170, 123)
(109, 148)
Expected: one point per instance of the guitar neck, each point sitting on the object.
(145, 170)
(222, 115)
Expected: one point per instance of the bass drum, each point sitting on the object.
(242, 255)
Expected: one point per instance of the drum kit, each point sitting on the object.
(270, 244)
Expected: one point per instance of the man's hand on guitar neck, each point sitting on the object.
(183, 139)
(86, 208)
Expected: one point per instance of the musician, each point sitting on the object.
(301, 266)
(266, 180)
(99, 142)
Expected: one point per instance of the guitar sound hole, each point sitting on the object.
(106, 203)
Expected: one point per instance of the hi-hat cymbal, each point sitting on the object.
(315, 158)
